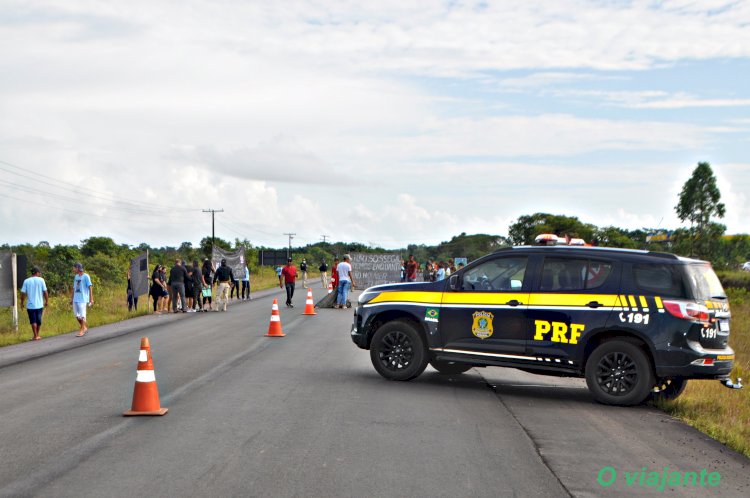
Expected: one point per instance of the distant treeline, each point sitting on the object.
(107, 261)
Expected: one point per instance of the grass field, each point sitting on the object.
(110, 305)
(723, 414)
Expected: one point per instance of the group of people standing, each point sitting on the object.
(433, 271)
(191, 288)
(342, 278)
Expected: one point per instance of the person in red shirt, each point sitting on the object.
(411, 269)
(335, 274)
(289, 276)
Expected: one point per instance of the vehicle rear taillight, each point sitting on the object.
(688, 310)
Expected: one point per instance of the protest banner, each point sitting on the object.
(139, 274)
(235, 260)
(375, 269)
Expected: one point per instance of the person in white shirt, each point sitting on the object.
(346, 281)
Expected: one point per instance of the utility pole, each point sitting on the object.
(289, 250)
(213, 232)
(324, 237)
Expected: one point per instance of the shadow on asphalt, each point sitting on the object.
(476, 382)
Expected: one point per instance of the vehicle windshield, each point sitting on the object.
(704, 282)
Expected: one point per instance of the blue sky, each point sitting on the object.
(385, 122)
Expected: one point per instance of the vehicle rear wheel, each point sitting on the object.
(449, 367)
(668, 388)
(619, 373)
(397, 351)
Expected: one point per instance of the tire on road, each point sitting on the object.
(619, 373)
(397, 351)
(449, 367)
(668, 388)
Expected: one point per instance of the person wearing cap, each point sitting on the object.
(35, 289)
(346, 280)
(289, 275)
(225, 277)
(83, 295)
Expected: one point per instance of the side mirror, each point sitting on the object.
(454, 282)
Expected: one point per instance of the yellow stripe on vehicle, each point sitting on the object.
(658, 302)
(545, 299)
(408, 297)
(624, 302)
(644, 303)
(480, 298)
(725, 357)
(633, 304)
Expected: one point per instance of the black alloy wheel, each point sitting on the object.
(619, 373)
(397, 351)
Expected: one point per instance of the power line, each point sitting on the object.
(89, 192)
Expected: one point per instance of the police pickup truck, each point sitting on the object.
(633, 323)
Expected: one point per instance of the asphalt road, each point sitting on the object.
(307, 415)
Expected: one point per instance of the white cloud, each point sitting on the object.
(363, 121)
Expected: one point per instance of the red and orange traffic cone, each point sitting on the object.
(274, 328)
(309, 305)
(330, 286)
(145, 392)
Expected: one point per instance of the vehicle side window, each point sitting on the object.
(665, 280)
(500, 274)
(563, 274)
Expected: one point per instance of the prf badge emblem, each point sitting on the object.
(482, 326)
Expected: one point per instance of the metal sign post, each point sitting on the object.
(14, 311)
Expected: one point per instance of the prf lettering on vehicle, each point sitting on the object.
(559, 331)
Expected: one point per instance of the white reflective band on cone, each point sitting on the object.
(145, 376)
(143, 355)
(275, 307)
(275, 318)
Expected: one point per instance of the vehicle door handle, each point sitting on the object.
(514, 303)
(594, 304)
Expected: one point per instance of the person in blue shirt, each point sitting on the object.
(83, 295)
(35, 289)
(246, 284)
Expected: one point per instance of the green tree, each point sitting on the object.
(698, 203)
(527, 227)
(104, 245)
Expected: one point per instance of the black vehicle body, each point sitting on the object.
(546, 309)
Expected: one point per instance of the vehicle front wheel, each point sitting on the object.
(449, 367)
(397, 351)
(668, 388)
(619, 373)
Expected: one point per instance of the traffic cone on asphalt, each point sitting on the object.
(330, 286)
(145, 392)
(274, 328)
(309, 305)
